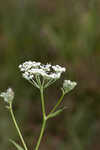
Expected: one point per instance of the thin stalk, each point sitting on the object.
(58, 103)
(42, 101)
(50, 82)
(44, 119)
(38, 80)
(34, 83)
(41, 135)
(18, 130)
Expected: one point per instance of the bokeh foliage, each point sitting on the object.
(63, 32)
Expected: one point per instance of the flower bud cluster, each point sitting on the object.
(8, 95)
(68, 86)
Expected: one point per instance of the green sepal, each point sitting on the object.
(54, 114)
(16, 145)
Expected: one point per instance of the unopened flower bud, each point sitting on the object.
(68, 86)
(8, 95)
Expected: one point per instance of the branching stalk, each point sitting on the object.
(58, 103)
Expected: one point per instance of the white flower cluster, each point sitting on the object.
(68, 86)
(33, 71)
(8, 95)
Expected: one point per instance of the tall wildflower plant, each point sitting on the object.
(40, 76)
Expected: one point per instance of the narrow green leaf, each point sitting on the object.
(56, 113)
(16, 145)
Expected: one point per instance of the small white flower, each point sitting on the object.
(27, 76)
(68, 85)
(8, 95)
(46, 67)
(58, 68)
(54, 76)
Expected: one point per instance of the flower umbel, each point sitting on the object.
(8, 95)
(68, 86)
(39, 74)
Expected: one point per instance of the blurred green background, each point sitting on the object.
(64, 32)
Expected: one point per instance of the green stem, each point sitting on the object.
(42, 101)
(18, 130)
(58, 103)
(41, 134)
(44, 119)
